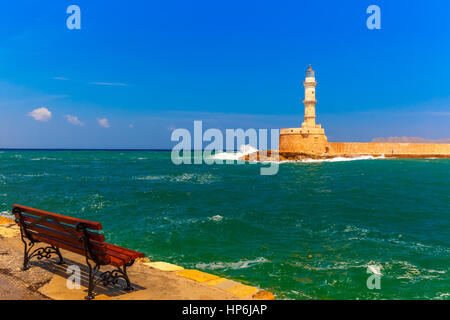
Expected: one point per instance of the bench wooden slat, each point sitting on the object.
(104, 259)
(66, 219)
(30, 219)
(116, 261)
(52, 233)
(118, 255)
(130, 253)
(96, 246)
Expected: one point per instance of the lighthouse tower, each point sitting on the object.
(310, 137)
(310, 99)
(309, 125)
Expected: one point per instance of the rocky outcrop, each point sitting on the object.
(264, 156)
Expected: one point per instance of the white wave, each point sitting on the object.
(7, 214)
(436, 271)
(243, 151)
(442, 296)
(241, 264)
(413, 273)
(35, 175)
(185, 177)
(375, 269)
(44, 158)
(341, 159)
(216, 218)
(350, 228)
(188, 221)
(248, 149)
(149, 178)
(194, 178)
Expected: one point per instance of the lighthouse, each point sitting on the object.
(310, 99)
(310, 137)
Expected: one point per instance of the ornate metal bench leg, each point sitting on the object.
(91, 286)
(125, 276)
(61, 260)
(25, 255)
(26, 249)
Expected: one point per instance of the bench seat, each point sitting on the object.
(120, 256)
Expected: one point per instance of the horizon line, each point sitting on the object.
(82, 149)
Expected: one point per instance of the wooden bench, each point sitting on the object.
(75, 235)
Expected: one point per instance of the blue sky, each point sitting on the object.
(151, 66)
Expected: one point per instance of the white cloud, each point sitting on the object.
(60, 78)
(131, 126)
(73, 120)
(116, 84)
(40, 114)
(104, 123)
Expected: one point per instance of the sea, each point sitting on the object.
(362, 229)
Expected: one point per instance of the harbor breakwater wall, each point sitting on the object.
(390, 149)
(293, 142)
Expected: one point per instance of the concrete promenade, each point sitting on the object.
(151, 280)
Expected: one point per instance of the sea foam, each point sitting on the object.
(216, 218)
(241, 264)
(248, 149)
(7, 214)
(243, 151)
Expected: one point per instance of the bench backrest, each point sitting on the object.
(61, 231)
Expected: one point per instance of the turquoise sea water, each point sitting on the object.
(309, 232)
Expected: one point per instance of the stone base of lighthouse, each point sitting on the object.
(303, 140)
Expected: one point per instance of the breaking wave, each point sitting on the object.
(243, 151)
(248, 149)
(216, 218)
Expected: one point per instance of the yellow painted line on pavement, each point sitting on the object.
(242, 290)
(163, 266)
(216, 282)
(197, 275)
